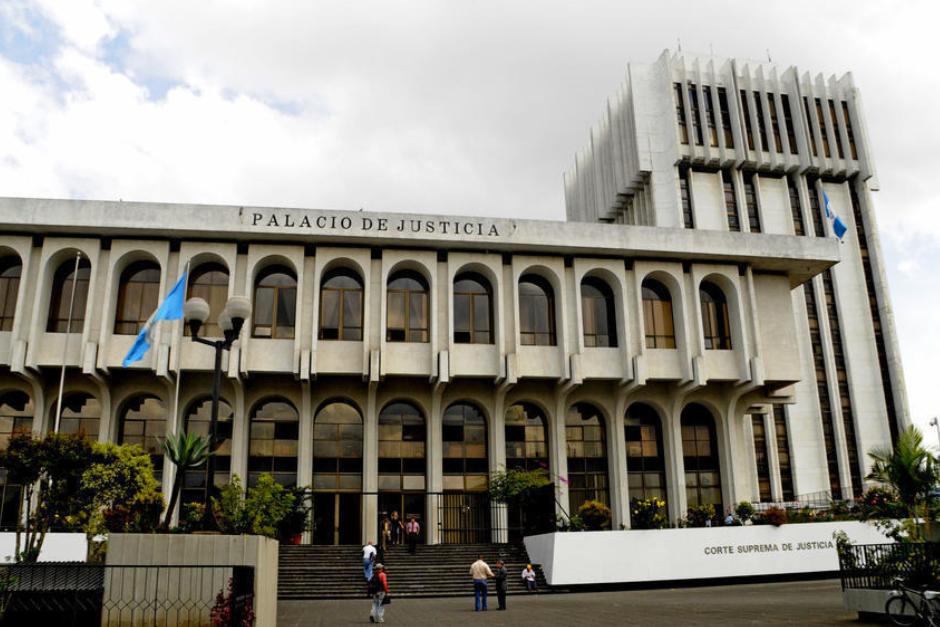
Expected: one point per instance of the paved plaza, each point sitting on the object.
(792, 603)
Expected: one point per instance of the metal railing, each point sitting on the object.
(67, 594)
(812, 500)
(876, 566)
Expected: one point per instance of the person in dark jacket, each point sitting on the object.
(502, 583)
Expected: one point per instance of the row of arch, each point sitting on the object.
(342, 305)
(402, 443)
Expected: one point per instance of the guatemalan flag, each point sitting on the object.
(838, 226)
(170, 309)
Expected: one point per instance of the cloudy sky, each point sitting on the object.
(451, 107)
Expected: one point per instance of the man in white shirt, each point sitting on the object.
(480, 570)
(368, 557)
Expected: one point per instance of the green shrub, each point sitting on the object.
(595, 515)
(648, 513)
(259, 512)
(744, 510)
(772, 516)
(699, 515)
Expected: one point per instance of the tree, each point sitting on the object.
(514, 485)
(259, 512)
(186, 451)
(911, 471)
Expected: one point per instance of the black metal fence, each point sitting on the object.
(876, 566)
(92, 594)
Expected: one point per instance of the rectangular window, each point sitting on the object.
(761, 127)
(788, 122)
(685, 194)
(848, 130)
(809, 125)
(822, 128)
(750, 197)
(746, 112)
(731, 201)
(761, 457)
(774, 123)
(795, 209)
(815, 211)
(835, 128)
(710, 115)
(695, 111)
(680, 114)
(725, 117)
(783, 452)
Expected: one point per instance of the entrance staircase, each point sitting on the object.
(438, 570)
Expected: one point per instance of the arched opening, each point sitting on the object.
(16, 418)
(586, 440)
(473, 309)
(209, 281)
(465, 504)
(198, 421)
(407, 305)
(700, 458)
(402, 466)
(341, 304)
(526, 434)
(646, 461)
(275, 308)
(598, 312)
(658, 322)
(143, 422)
(272, 447)
(11, 268)
(337, 474)
(81, 415)
(536, 311)
(64, 281)
(716, 326)
(138, 297)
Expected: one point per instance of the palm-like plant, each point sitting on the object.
(910, 469)
(186, 451)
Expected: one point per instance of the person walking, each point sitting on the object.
(368, 558)
(412, 529)
(502, 583)
(385, 531)
(378, 587)
(396, 528)
(480, 570)
(528, 576)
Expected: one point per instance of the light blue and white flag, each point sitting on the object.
(838, 226)
(170, 309)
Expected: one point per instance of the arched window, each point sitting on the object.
(700, 458)
(60, 299)
(143, 422)
(16, 415)
(402, 437)
(536, 311)
(341, 304)
(715, 321)
(81, 414)
(598, 313)
(273, 446)
(464, 451)
(138, 296)
(210, 282)
(275, 305)
(473, 309)
(657, 315)
(646, 464)
(198, 421)
(526, 437)
(10, 270)
(587, 456)
(407, 308)
(337, 448)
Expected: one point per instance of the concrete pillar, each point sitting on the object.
(240, 432)
(617, 467)
(370, 466)
(675, 468)
(496, 443)
(435, 474)
(558, 451)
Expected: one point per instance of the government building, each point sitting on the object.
(693, 330)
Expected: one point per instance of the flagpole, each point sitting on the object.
(65, 350)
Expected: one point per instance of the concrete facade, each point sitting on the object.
(624, 226)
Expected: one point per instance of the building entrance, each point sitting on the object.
(336, 518)
(407, 504)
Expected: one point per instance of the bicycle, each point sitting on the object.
(908, 606)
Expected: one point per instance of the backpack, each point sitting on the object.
(374, 585)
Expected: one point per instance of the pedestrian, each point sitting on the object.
(412, 529)
(480, 570)
(396, 528)
(378, 588)
(528, 576)
(385, 531)
(729, 519)
(368, 558)
(502, 583)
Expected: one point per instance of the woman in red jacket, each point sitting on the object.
(378, 586)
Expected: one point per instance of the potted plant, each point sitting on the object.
(297, 520)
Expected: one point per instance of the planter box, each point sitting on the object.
(663, 555)
(202, 550)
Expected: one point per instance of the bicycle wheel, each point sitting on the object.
(901, 612)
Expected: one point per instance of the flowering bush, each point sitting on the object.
(772, 516)
(595, 515)
(225, 613)
(648, 513)
(700, 515)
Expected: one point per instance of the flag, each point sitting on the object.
(838, 226)
(170, 309)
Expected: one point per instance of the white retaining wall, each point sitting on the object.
(57, 547)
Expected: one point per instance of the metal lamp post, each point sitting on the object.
(196, 312)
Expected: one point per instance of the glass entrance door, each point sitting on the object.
(336, 518)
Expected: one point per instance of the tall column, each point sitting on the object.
(305, 437)
(617, 467)
(435, 481)
(496, 441)
(558, 449)
(240, 432)
(773, 459)
(675, 469)
(370, 466)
